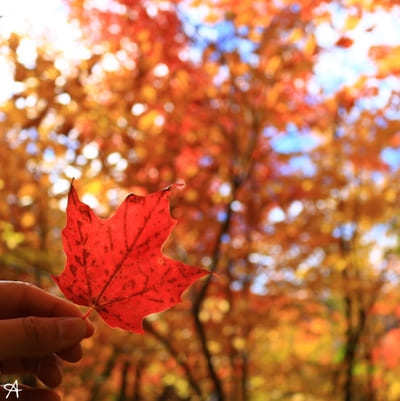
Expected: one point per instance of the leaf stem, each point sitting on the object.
(86, 315)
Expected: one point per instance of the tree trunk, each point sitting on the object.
(137, 396)
(109, 366)
(349, 365)
(124, 375)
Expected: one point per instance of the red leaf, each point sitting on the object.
(344, 42)
(116, 265)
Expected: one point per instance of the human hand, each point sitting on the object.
(37, 330)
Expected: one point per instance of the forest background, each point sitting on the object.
(282, 118)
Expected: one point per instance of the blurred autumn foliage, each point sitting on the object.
(291, 197)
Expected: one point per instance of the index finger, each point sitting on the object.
(22, 299)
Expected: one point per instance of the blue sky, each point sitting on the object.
(336, 67)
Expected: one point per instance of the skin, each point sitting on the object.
(37, 332)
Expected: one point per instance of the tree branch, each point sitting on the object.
(175, 354)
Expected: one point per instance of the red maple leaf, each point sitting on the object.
(116, 265)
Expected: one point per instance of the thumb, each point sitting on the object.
(39, 336)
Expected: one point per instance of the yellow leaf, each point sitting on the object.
(307, 185)
(239, 343)
(390, 195)
(149, 93)
(273, 64)
(272, 96)
(295, 35)
(341, 264)
(310, 46)
(394, 391)
(94, 187)
(12, 238)
(147, 120)
(352, 21)
(27, 220)
(27, 190)
(191, 195)
(183, 77)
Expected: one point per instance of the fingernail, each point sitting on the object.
(72, 329)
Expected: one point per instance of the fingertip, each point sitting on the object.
(72, 330)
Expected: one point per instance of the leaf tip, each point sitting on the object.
(72, 191)
(180, 184)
